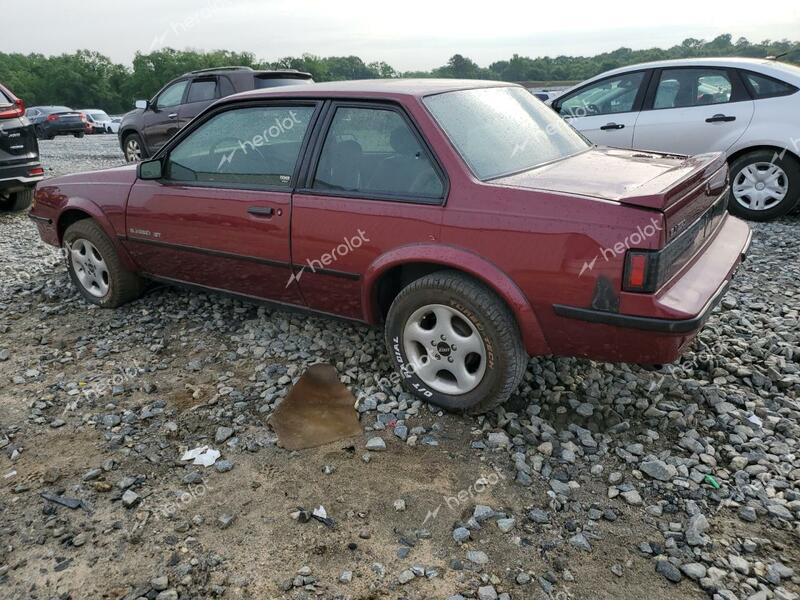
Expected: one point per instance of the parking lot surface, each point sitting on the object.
(595, 481)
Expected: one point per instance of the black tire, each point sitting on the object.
(16, 201)
(491, 319)
(39, 132)
(78, 135)
(123, 285)
(127, 149)
(791, 170)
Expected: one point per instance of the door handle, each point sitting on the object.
(720, 118)
(612, 126)
(261, 211)
(172, 115)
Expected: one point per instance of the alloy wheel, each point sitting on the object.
(89, 267)
(445, 349)
(133, 151)
(760, 186)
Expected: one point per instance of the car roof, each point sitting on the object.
(371, 88)
(766, 66)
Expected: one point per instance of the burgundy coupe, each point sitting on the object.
(465, 216)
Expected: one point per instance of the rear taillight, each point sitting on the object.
(36, 171)
(52, 117)
(641, 271)
(17, 110)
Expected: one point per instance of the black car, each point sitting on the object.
(50, 121)
(144, 130)
(20, 168)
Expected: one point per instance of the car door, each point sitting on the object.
(219, 216)
(605, 111)
(691, 110)
(373, 184)
(160, 119)
(202, 92)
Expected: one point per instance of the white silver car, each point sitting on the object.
(747, 108)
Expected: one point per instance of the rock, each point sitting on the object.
(668, 570)
(487, 592)
(130, 499)
(658, 469)
(346, 576)
(632, 497)
(506, 525)
(376, 444)
(225, 521)
(539, 516)
(461, 534)
(399, 505)
(694, 570)
(222, 434)
(478, 557)
(405, 576)
(579, 541)
(160, 583)
(695, 527)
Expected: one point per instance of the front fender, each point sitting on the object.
(467, 262)
(86, 206)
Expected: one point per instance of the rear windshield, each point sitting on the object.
(503, 130)
(268, 82)
(4, 100)
(56, 109)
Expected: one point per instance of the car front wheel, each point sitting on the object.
(764, 185)
(454, 343)
(95, 268)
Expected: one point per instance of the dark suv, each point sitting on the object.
(19, 154)
(144, 130)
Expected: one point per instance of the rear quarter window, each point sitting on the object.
(4, 99)
(762, 86)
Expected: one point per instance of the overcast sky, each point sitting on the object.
(410, 34)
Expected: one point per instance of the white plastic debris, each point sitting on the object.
(320, 512)
(10, 474)
(202, 455)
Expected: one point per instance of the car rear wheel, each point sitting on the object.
(78, 135)
(764, 185)
(454, 343)
(95, 268)
(134, 149)
(16, 201)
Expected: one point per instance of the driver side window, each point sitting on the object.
(609, 96)
(171, 96)
(243, 147)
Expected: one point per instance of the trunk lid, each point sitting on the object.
(681, 188)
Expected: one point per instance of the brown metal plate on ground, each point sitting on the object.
(318, 410)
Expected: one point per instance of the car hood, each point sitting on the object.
(646, 179)
(123, 175)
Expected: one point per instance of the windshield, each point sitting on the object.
(503, 130)
(99, 116)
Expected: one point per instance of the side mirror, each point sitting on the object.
(150, 169)
(143, 104)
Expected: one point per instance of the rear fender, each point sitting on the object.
(466, 262)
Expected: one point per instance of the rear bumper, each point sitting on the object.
(64, 128)
(18, 176)
(654, 328)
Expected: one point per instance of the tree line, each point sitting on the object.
(88, 79)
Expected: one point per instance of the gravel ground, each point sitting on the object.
(595, 481)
